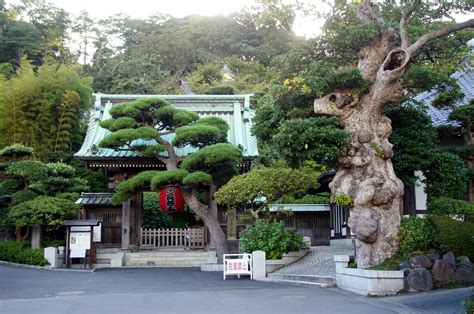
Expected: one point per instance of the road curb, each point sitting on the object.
(18, 265)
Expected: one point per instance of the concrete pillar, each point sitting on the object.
(231, 224)
(36, 237)
(126, 225)
(342, 261)
(259, 264)
(54, 258)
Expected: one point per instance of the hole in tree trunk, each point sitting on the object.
(396, 60)
(332, 98)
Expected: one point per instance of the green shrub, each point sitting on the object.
(9, 186)
(272, 238)
(469, 304)
(153, 216)
(444, 206)
(11, 251)
(307, 199)
(416, 234)
(456, 236)
(342, 200)
(447, 176)
(221, 90)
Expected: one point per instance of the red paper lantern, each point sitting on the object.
(171, 200)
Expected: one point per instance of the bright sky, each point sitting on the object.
(178, 8)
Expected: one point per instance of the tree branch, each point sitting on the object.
(423, 40)
(406, 17)
(326, 106)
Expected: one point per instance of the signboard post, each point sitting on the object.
(80, 237)
(238, 264)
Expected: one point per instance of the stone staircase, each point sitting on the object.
(104, 256)
(316, 269)
(169, 258)
(303, 280)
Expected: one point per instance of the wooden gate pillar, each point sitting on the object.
(126, 225)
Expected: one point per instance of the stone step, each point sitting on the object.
(304, 278)
(108, 250)
(165, 257)
(169, 253)
(105, 255)
(300, 283)
(163, 264)
(103, 261)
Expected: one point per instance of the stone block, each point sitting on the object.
(419, 279)
(421, 261)
(434, 256)
(464, 260)
(449, 258)
(442, 271)
(464, 274)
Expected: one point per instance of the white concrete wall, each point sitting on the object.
(420, 195)
(367, 282)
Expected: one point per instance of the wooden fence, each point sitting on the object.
(193, 238)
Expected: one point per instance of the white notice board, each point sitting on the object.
(79, 243)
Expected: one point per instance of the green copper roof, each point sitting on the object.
(234, 109)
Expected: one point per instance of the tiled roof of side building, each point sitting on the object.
(234, 109)
(465, 80)
(95, 199)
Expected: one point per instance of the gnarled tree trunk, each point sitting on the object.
(218, 238)
(366, 172)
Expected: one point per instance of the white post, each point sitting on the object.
(259, 265)
(51, 255)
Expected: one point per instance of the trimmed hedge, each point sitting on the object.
(10, 251)
(444, 206)
(456, 236)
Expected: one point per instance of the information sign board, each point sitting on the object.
(79, 243)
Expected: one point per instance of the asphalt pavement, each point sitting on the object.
(171, 290)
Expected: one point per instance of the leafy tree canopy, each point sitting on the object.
(43, 211)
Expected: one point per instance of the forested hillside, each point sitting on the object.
(51, 61)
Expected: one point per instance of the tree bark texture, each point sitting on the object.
(366, 173)
(218, 238)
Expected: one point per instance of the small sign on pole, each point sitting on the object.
(238, 264)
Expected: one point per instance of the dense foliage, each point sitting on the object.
(444, 206)
(456, 236)
(43, 108)
(43, 211)
(413, 139)
(11, 251)
(416, 235)
(153, 216)
(272, 238)
(447, 176)
(263, 186)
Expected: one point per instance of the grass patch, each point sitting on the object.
(392, 263)
(469, 304)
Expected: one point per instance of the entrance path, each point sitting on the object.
(318, 262)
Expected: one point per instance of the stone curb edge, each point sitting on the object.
(18, 265)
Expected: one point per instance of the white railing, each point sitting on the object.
(194, 238)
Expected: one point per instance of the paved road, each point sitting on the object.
(191, 291)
